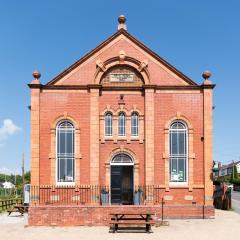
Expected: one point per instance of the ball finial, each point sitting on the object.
(122, 19)
(206, 75)
(36, 74)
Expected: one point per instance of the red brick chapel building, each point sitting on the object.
(121, 128)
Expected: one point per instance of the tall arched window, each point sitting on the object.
(178, 152)
(65, 152)
(121, 124)
(134, 124)
(108, 124)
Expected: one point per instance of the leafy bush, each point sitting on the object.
(236, 182)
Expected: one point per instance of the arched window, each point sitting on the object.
(178, 152)
(65, 152)
(122, 159)
(108, 124)
(134, 124)
(121, 124)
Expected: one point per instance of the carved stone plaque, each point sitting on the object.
(121, 77)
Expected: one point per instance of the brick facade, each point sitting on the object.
(161, 94)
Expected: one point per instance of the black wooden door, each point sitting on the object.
(122, 184)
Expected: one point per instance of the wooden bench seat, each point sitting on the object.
(127, 222)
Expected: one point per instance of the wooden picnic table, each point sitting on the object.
(141, 218)
(18, 208)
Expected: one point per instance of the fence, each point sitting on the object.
(8, 203)
(93, 194)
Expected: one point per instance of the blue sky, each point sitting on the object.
(50, 35)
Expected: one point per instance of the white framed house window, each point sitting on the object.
(121, 124)
(178, 152)
(108, 124)
(134, 124)
(65, 144)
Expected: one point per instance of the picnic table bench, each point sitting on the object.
(131, 219)
(18, 208)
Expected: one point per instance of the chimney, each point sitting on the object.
(122, 22)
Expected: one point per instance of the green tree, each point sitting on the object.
(27, 176)
(234, 175)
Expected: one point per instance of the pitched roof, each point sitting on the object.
(133, 39)
(230, 165)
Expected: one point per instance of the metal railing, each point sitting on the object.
(94, 195)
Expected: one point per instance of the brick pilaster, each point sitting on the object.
(149, 136)
(94, 136)
(208, 146)
(35, 139)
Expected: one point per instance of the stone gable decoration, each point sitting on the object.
(120, 126)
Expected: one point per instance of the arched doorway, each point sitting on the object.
(122, 179)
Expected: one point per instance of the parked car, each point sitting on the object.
(230, 186)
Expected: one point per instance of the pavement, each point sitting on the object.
(225, 225)
(236, 201)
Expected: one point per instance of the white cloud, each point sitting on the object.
(8, 128)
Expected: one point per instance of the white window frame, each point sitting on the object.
(123, 126)
(137, 126)
(111, 127)
(177, 156)
(62, 183)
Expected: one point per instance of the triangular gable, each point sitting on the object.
(135, 41)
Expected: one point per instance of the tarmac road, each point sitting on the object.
(236, 201)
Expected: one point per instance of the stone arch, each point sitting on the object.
(62, 117)
(128, 152)
(140, 67)
(178, 117)
(107, 109)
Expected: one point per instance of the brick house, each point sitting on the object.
(121, 128)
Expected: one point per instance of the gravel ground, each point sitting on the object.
(224, 226)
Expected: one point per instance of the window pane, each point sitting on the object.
(174, 143)
(69, 143)
(62, 141)
(108, 124)
(121, 124)
(181, 140)
(134, 124)
(174, 170)
(65, 152)
(181, 169)
(178, 152)
(61, 164)
(69, 173)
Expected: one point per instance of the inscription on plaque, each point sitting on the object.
(121, 77)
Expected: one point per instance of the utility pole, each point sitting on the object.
(23, 177)
(233, 169)
(15, 185)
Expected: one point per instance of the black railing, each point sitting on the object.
(94, 195)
